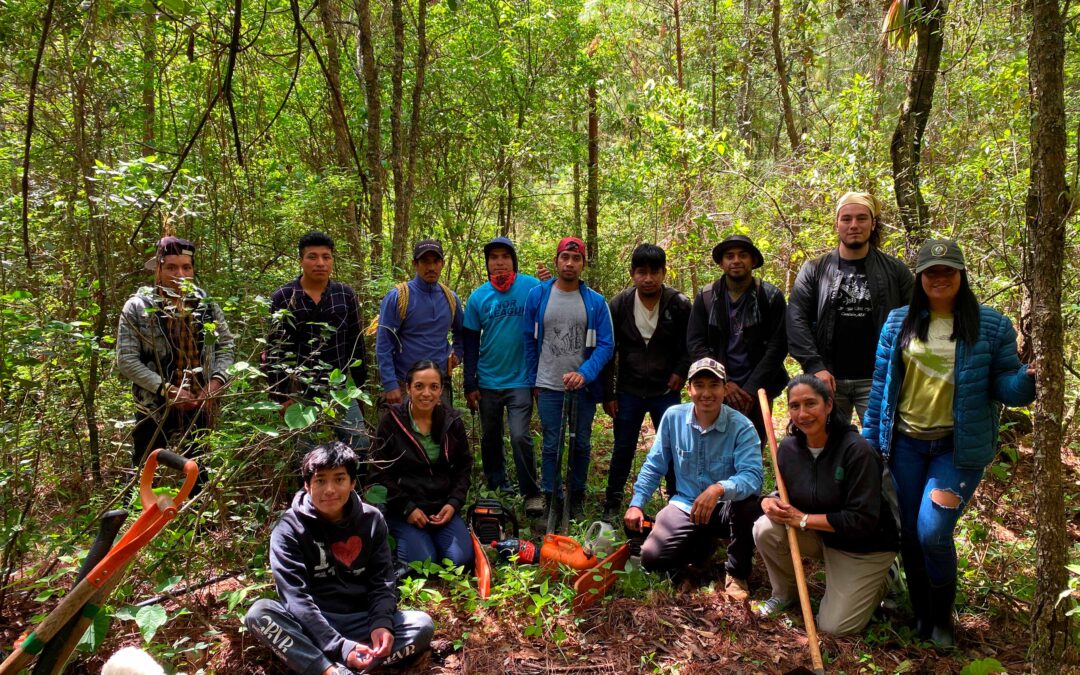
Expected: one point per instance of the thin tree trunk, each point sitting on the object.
(32, 98)
(712, 67)
(1048, 207)
(906, 146)
(742, 103)
(677, 10)
(782, 77)
(149, 82)
(592, 199)
(415, 127)
(343, 151)
(577, 176)
(374, 131)
(397, 139)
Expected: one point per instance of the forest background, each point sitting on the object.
(241, 124)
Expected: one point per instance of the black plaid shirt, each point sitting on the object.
(309, 340)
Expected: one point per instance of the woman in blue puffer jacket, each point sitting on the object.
(944, 367)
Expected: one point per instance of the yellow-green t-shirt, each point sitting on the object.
(926, 397)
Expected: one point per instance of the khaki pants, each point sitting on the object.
(854, 582)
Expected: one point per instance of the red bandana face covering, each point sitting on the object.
(503, 282)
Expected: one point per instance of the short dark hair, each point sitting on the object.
(650, 256)
(835, 421)
(424, 364)
(965, 314)
(314, 238)
(329, 456)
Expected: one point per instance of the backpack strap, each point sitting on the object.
(403, 300)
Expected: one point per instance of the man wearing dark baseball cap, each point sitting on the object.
(174, 344)
(718, 474)
(414, 320)
(739, 321)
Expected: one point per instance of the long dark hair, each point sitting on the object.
(965, 314)
(424, 364)
(835, 421)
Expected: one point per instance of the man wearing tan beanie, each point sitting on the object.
(840, 301)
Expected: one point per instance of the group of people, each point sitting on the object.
(922, 363)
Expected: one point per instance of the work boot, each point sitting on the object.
(577, 505)
(918, 585)
(534, 506)
(737, 589)
(612, 511)
(942, 599)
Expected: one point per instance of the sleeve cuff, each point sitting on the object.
(347, 646)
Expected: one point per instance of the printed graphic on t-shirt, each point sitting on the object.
(936, 356)
(853, 295)
(503, 308)
(564, 339)
(346, 551)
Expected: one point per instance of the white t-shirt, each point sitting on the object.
(646, 318)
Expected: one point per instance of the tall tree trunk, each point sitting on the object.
(676, 8)
(713, 37)
(149, 80)
(592, 198)
(782, 77)
(397, 139)
(742, 103)
(906, 146)
(344, 158)
(415, 127)
(373, 151)
(27, 144)
(1048, 207)
(577, 175)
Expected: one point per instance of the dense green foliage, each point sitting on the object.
(135, 134)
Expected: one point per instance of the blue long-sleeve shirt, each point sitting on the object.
(727, 452)
(422, 335)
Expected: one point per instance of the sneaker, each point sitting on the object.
(534, 506)
(772, 607)
(737, 589)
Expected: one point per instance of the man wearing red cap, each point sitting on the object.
(175, 346)
(568, 341)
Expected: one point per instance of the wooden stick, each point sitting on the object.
(793, 542)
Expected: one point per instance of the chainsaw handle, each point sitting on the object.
(170, 460)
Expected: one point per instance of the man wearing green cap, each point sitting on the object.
(840, 301)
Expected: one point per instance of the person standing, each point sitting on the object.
(718, 474)
(315, 331)
(495, 374)
(740, 321)
(568, 341)
(647, 373)
(174, 345)
(840, 301)
(415, 318)
(945, 366)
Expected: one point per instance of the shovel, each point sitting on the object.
(793, 545)
(94, 589)
(568, 441)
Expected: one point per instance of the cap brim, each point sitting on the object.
(944, 263)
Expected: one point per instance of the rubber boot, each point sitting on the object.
(918, 589)
(577, 505)
(942, 599)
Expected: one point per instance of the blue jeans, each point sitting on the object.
(549, 406)
(518, 406)
(433, 543)
(852, 394)
(628, 421)
(918, 469)
(352, 430)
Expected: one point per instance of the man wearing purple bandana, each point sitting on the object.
(495, 378)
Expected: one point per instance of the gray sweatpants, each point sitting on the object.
(271, 624)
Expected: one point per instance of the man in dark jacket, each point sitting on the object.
(840, 301)
(739, 321)
(316, 330)
(332, 567)
(647, 373)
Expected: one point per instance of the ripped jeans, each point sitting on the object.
(928, 483)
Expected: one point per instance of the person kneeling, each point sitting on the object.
(422, 458)
(333, 570)
(828, 469)
(717, 462)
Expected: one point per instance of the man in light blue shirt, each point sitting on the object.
(717, 461)
(495, 378)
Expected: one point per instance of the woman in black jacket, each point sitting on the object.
(834, 482)
(422, 458)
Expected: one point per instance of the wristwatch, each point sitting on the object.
(802, 523)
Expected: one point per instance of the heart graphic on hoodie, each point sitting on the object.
(346, 551)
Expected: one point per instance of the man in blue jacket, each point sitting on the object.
(495, 377)
(568, 341)
(414, 319)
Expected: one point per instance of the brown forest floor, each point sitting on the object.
(684, 630)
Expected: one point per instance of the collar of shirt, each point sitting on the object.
(719, 424)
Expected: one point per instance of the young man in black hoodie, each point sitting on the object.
(649, 368)
(332, 566)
